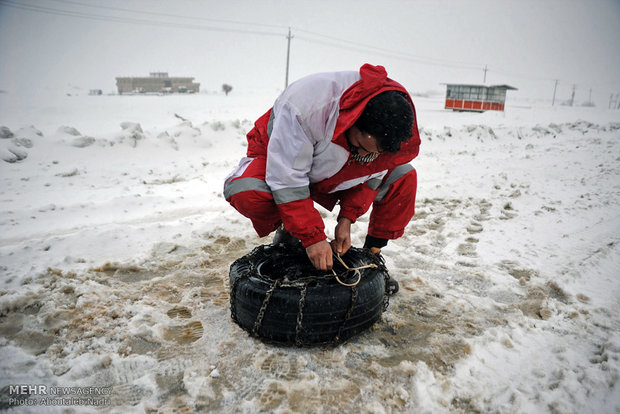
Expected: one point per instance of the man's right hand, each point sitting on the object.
(320, 254)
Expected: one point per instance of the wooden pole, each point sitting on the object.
(288, 54)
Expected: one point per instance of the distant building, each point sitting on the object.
(156, 82)
(476, 98)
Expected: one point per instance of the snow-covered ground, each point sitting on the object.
(115, 243)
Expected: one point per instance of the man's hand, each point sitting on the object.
(320, 254)
(343, 236)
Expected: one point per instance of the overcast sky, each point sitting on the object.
(64, 45)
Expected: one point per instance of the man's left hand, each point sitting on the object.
(342, 242)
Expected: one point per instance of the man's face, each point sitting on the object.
(362, 142)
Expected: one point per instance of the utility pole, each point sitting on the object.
(555, 88)
(485, 75)
(572, 97)
(288, 54)
(614, 101)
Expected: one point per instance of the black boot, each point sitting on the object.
(282, 236)
(392, 286)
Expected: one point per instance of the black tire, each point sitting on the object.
(326, 312)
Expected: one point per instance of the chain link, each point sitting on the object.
(233, 294)
(300, 315)
(380, 262)
(348, 315)
(263, 308)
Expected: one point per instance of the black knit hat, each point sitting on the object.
(389, 118)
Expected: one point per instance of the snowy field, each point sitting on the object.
(115, 244)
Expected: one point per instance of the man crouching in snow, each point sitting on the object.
(341, 137)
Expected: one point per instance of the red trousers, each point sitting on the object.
(393, 201)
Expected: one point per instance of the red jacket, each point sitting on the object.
(325, 168)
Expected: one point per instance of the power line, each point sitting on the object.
(521, 75)
(431, 61)
(331, 40)
(387, 53)
(143, 12)
(335, 42)
(130, 20)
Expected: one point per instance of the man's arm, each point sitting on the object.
(289, 160)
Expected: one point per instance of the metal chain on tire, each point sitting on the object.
(302, 283)
(354, 295)
(242, 275)
(300, 315)
(380, 262)
(233, 296)
(263, 308)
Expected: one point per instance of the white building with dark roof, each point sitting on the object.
(156, 82)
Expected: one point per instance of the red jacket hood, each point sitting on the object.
(352, 103)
